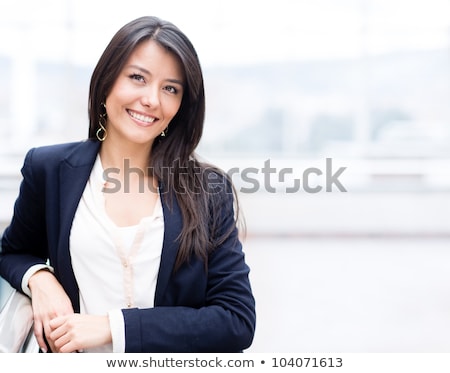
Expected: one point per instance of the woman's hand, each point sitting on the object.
(49, 300)
(75, 332)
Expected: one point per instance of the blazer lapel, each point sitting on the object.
(74, 173)
(173, 224)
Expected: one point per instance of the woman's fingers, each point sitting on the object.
(39, 334)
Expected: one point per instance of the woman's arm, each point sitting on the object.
(24, 241)
(24, 245)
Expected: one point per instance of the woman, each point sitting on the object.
(125, 242)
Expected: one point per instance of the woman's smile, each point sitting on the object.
(142, 119)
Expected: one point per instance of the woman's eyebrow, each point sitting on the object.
(141, 69)
(176, 81)
(145, 71)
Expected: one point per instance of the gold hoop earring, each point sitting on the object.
(102, 125)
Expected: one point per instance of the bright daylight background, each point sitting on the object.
(363, 82)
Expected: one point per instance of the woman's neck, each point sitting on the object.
(122, 155)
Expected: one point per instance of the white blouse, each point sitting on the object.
(115, 267)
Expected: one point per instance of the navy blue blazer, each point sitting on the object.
(195, 310)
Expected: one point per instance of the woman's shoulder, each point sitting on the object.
(49, 155)
(61, 150)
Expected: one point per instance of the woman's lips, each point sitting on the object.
(145, 119)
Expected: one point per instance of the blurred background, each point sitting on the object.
(363, 83)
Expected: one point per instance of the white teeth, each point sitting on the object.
(141, 117)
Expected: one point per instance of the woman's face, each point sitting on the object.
(145, 96)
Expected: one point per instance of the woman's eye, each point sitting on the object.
(137, 77)
(171, 89)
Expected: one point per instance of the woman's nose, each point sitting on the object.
(150, 96)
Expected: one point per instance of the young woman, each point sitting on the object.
(126, 242)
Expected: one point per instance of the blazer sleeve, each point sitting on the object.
(24, 241)
(224, 322)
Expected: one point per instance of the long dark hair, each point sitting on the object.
(172, 160)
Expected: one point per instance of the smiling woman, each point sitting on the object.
(145, 97)
(159, 269)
